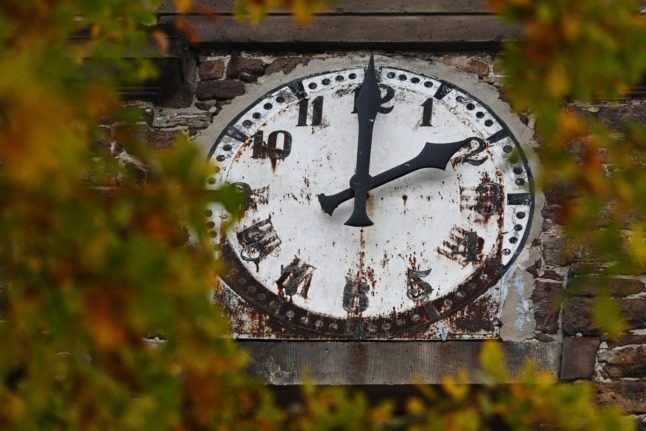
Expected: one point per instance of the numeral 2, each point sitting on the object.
(262, 150)
(469, 157)
(317, 113)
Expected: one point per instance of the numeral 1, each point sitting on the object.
(317, 113)
(427, 113)
(262, 150)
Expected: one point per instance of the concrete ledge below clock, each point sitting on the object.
(386, 362)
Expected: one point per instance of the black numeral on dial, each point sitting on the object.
(295, 278)
(258, 241)
(488, 198)
(270, 149)
(417, 288)
(385, 98)
(355, 296)
(463, 246)
(471, 157)
(317, 111)
(427, 114)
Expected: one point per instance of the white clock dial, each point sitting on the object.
(440, 238)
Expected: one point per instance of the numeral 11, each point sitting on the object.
(317, 113)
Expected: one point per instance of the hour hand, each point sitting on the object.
(432, 156)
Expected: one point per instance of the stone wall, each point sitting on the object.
(617, 367)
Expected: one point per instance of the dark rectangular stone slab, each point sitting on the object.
(352, 29)
(356, 6)
(386, 362)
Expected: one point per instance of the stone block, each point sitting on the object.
(578, 357)
(245, 69)
(615, 113)
(226, 89)
(617, 287)
(577, 316)
(624, 340)
(193, 120)
(545, 299)
(211, 69)
(554, 248)
(163, 138)
(286, 64)
(625, 362)
(629, 395)
(469, 64)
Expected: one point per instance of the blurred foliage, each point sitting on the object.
(106, 268)
(572, 54)
(106, 322)
(302, 10)
(535, 401)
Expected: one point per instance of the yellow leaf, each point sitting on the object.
(493, 361)
(607, 316)
(183, 6)
(571, 27)
(457, 389)
(415, 406)
(557, 80)
(636, 244)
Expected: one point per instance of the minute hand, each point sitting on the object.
(360, 183)
(432, 156)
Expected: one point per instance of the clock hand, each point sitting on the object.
(432, 156)
(368, 103)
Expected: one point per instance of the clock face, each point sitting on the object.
(441, 236)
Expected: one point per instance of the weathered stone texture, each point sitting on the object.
(625, 340)
(211, 69)
(554, 248)
(245, 69)
(226, 89)
(629, 361)
(545, 298)
(163, 138)
(578, 357)
(286, 64)
(577, 315)
(193, 120)
(617, 287)
(614, 114)
(212, 106)
(469, 64)
(629, 395)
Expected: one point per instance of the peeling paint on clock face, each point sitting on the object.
(440, 239)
